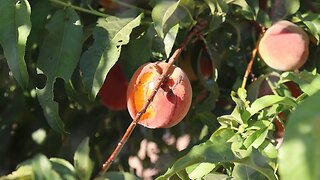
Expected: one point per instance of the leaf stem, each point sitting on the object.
(93, 12)
(196, 30)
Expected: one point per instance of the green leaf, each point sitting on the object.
(170, 39)
(216, 176)
(199, 170)
(23, 172)
(282, 9)
(58, 57)
(299, 152)
(242, 172)
(15, 27)
(292, 6)
(39, 14)
(109, 35)
(118, 176)
(308, 82)
(167, 14)
(256, 138)
(82, 163)
(219, 9)
(144, 44)
(42, 168)
(269, 100)
(312, 21)
(258, 162)
(213, 151)
(64, 168)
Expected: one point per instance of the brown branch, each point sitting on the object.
(196, 29)
(249, 67)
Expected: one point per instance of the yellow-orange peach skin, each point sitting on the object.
(170, 104)
(284, 46)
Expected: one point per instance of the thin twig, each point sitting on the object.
(197, 29)
(253, 56)
(249, 67)
(88, 11)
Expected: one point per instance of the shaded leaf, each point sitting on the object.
(39, 19)
(64, 168)
(42, 168)
(15, 26)
(58, 57)
(307, 81)
(82, 163)
(299, 152)
(109, 35)
(242, 172)
(258, 162)
(118, 176)
(144, 44)
(167, 14)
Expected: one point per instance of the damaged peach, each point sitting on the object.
(171, 102)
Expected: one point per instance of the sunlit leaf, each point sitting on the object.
(299, 152)
(213, 151)
(58, 57)
(200, 170)
(23, 172)
(109, 35)
(269, 100)
(15, 26)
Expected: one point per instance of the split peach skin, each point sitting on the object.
(170, 104)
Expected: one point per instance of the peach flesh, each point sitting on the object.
(284, 46)
(170, 104)
(113, 92)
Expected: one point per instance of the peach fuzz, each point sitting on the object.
(171, 102)
(113, 93)
(284, 46)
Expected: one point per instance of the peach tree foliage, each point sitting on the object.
(55, 56)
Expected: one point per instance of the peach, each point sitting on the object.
(171, 102)
(284, 46)
(113, 92)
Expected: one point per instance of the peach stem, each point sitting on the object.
(196, 30)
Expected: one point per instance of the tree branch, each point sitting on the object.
(195, 30)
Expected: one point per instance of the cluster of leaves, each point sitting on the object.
(60, 57)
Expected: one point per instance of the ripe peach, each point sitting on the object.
(284, 46)
(113, 92)
(170, 104)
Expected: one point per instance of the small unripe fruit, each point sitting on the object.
(113, 92)
(284, 46)
(171, 102)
